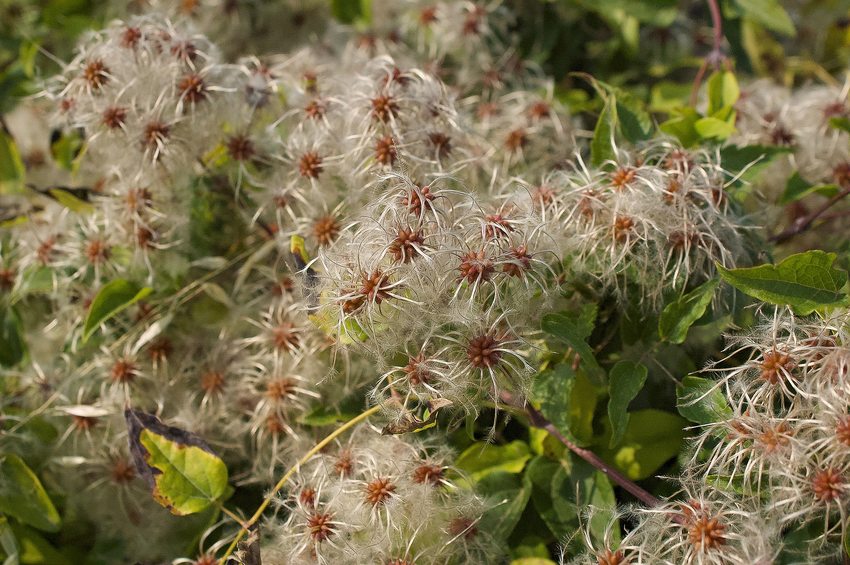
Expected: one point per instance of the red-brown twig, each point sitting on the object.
(802, 224)
(716, 57)
(538, 420)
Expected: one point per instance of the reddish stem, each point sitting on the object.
(716, 56)
(802, 224)
(538, 420)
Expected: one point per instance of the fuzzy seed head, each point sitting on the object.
(96, 74)
(842, 430)
(608, 557)
(279, 390)
(123, 371)
(417, 200)
(379, 490)
(441, 143)
(776, 365)
(310, 165)
(97, 251)
(384, 108)
(314, 110)
(114, 117)
(155, 134)
(326, 229)
(122, 471)
(828, 485)
(212, 382)
(621, 178)
(385, 151)
(623, 226)
(344, 463)
(320, 526)
(192, 88)
(404, 247)
(285, 336)
(240, 148)
(428, 474)
(416, 371)
(483, 351)
(516, 140)
(706, 533)
(476, 266)
(463, 526)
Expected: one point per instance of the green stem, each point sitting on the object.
(292, 470)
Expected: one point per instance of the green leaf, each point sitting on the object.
(23, 497)
(568, 400)
(568, 330)
(70, 201)
(701, 401)
(183, 472)
(11, 166)
(678, 316)
(805, 281)
(326, 415)
(668, 96)
(577, 485)
(633, 119)
(351, 11)
(510, 494)
(652, 437)
(714, 128)
(723, 91)
(768, 13)
(11, 550)
(842, 124)
(13, 348)
(480, 459)
(683, 127)
(752, 158)
(112, 298)
(659, 13)
(625, 381)
(36, 550)
(552, 390)
(797, 188)
(67, 149)
(539, 475)
(601, 146)
(532, 561)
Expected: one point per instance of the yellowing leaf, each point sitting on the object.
(481, 459)
(184, 473)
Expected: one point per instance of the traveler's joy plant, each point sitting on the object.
(424, 282)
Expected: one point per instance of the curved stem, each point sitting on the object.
(288, 475)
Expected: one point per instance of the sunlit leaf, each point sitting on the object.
(183, 472)
(805, 281)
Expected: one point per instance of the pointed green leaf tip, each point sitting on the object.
(23, 497)
(678, 316)
(624, 383)
(805, 281)
(114, 297)
(184, 474)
